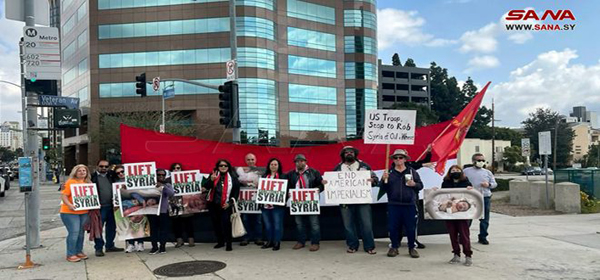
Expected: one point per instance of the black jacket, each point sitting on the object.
(450, 184)
(362, 166)
(235, 188)
(111, 177)
(397, 191)
(314, 179)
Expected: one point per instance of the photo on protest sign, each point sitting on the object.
(247, 201)
(131, 227)
(188, 198)
(116, 187)
(85, 196)
(140, 202)
(304, 202)
(271, 191)
(452, 204)
(347, 187)
(141, 175)
(390, 127)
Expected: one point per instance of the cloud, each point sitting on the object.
(483, 62)
(553, 81)
(10, 96)
(404, 27)
(482, 40)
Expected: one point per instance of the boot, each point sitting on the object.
(179, 242)
(276, 246)
(267, 245)
(228, 248)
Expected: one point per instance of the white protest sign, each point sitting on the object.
(116, 187)
(271, 191)
(85, 196)
(347, 187)
(247, 201)
(304, 202)
(187, 182)
(390, 127)
(140, 175)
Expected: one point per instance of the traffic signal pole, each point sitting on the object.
(236, 138)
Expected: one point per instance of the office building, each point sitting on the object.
(11, 136)
(398, 84)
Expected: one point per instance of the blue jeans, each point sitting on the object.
(110, 229)
(253, 225)
(361, 214)
(273, 220)
(315, 228)
(402, 216)
(74, 224)
(484, 223)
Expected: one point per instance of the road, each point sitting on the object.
(12, 210)
(519, 176)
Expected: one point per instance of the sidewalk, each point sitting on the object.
(543, 247)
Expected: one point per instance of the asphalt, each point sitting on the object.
(534, 247)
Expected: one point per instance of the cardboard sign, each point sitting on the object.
(116, 187)
(187, 182)
(304, 202)
(347, 187)
(271, 191)
(247, 202)
(390, 127)
(140, 175)
(85, 196)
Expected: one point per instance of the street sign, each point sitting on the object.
(161, 128)
(58, 101)
(525, 147)
(41, 56)
(67, 118)
(231, 74)
(156, 83)
(42, 123)
(545, 143)
(169, 92)
(15, 10)
(25, 174)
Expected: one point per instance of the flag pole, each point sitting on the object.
(387, 160)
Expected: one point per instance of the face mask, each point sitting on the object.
(455, 175)
(480, 164)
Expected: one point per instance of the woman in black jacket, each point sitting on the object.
(224, 187)
(273, 214)
(458, 229)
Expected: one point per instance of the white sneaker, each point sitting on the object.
(455, 259)
(130, 248)
(139, 247)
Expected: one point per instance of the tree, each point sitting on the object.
(7, 155)
(425, 116)
(592, 159)
(409, 63)
(548, 120)
(396, 60)
(446, 98)
(512, 155)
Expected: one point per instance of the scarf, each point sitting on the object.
(225, 192)
(301, 184)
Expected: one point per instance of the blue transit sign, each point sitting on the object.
(169, 92)
(25, 174)
(59, 101)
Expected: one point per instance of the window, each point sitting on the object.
(255, 57)
(258, 110)
(312, 94)
(358, 101)
(255, 27)
(82, 38)
(360, 44)
(360, 70)
(84, 95)
(69, 50)
(266, 4)
(360, 18)
(477, 149)
(311, 39)
(69, 24)
(113, 90)
(311, 66)
(140, 59)
(82, 66)
(70, 75)
(301, 121)
(173, 27)
(65, 4)
(309, 11)
(82, 11)
(124, 4)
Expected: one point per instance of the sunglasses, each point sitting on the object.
(103, 166)
(177, 167)
(161, 175)
(223, 165)
(480, 160)
(120, 172)
(398, 157)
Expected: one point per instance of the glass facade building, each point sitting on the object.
(303, 66)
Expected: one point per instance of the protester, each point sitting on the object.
(182, 224)
(248, 177)
(483, 180)
(273, 214)
(160, 225)
(103, 180)
(224, 187)
(458, 229)
(304, 177)
(74, 220)
(401, 184)
(132, 244)
(357, 214)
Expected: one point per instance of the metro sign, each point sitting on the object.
(531, 14)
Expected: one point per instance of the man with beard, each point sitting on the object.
(356, 213)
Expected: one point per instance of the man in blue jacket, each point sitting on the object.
(401, 185)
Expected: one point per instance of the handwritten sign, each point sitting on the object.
(271, 191)
(247, 201)
(348, 187)
(140, 175)
(304, 202)
(187, 182)
(390, 127)
(116, 187)
(85, 196)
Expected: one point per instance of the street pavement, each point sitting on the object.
(534, 247)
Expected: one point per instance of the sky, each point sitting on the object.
(528, 69)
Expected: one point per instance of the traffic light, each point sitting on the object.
(140, 85)
(228, 105)
(45, 143)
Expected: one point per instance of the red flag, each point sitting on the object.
(446, 145)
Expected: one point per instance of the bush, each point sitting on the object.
(502, 185)
(589, 204)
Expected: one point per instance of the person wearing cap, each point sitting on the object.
(304, 177)
(401, 184)
(354, 215)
